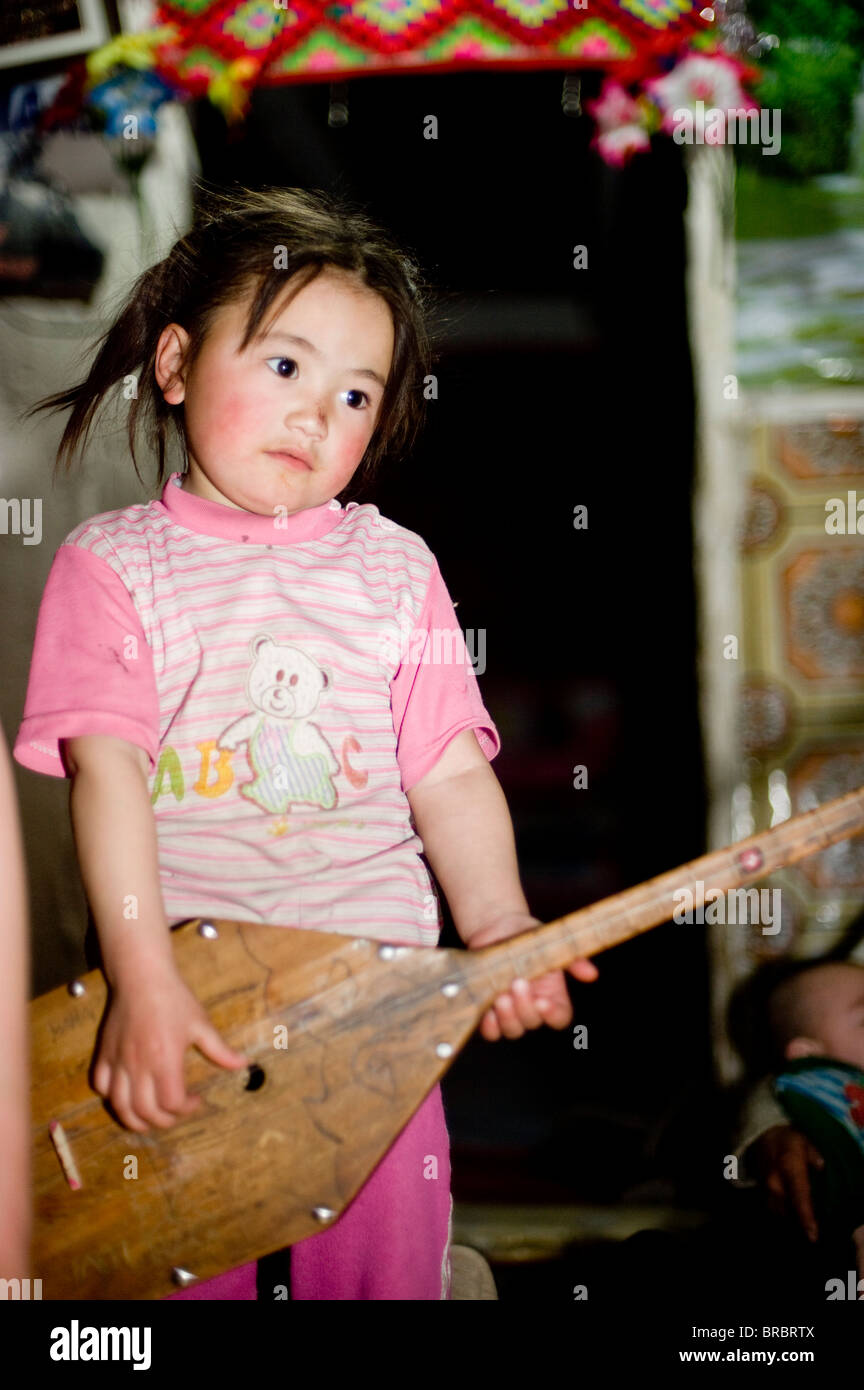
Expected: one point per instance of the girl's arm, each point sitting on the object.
(462, 817)
(153, 1017)
(115, 837)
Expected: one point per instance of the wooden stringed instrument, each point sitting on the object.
(345, 1038)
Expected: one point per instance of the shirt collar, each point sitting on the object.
(216, 519)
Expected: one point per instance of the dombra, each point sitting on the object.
(345, 1038)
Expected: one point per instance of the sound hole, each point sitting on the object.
(255, 1078)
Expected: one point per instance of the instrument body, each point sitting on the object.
(349, 1036)
(348, 1043)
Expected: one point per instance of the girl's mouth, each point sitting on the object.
(293, 462)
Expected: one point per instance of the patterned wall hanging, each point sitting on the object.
(802, 712)
(657, 55)
(308, 39)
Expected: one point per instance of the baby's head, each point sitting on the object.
(818, 1010)
(204, 335)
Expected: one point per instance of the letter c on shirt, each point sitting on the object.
(357, 779)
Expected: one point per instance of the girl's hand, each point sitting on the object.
(528, 1003)
(139, 1067)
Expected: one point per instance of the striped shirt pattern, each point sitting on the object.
(256, 667)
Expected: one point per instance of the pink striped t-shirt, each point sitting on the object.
(290, 677)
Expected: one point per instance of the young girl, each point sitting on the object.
(244, 681)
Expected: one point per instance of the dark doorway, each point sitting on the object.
(557, 387)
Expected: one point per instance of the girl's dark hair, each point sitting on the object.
(247, 240)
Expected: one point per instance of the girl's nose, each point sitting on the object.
(309, 413)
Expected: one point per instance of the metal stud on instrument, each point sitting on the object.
(207, 929)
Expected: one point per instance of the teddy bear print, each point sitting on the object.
(291, 759)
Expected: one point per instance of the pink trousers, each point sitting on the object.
(392, 1242)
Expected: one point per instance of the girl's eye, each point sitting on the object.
(279, 362)
(356, 398)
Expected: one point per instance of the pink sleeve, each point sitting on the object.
(92, 669)
(434, 693)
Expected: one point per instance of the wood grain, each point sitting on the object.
(350, 1035)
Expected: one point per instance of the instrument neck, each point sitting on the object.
(635, 910)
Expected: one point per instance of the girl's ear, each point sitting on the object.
(168, 364)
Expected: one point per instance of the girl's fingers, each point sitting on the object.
(551, 999)
(213, 1045)
(122, 1103)
(558, 1014)
(584, 970)
(507, 1018)
(102, 1078)
(171, 1096)
(489, 1027)
(528, 1005)
(149, 1107)
(525, 1005)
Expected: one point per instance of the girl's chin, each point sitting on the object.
(279, 489)
(266, 499)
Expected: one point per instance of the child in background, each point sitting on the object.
(812, 1113)
(242, 680)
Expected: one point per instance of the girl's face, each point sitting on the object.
(285, 423)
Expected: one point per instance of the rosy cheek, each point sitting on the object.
(230, 415)
(357, 438)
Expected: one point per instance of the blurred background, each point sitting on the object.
(694, 378)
